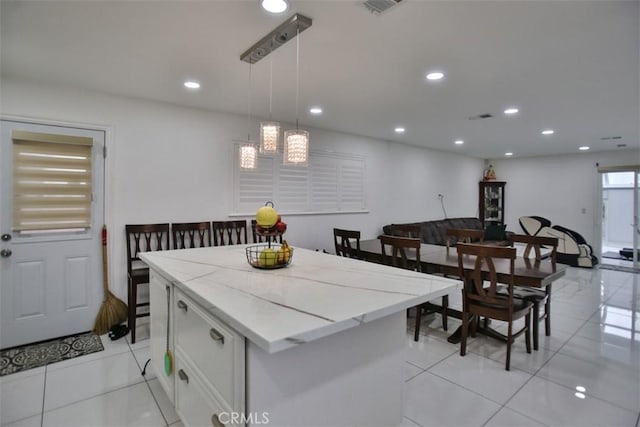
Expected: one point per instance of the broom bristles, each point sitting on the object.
(112, 312)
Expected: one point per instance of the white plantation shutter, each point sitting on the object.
(324, 184)
(293, 188)
(254, 187)
(352, 184)
(331, 183)
(52, 181)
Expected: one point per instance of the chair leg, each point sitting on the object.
(536, 320)
(445, 307)
(547, 312)
(416, 333)
(509, 341)
(133, 301)
(463, 337)
(527, 334)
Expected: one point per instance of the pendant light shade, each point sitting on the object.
(296, 147)
(248, 151)
(296, 142)
(248, 155)
(269, 137)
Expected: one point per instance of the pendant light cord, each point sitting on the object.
(297, 71)
(249, 107)
(270, 82)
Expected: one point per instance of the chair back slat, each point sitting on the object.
(401, 249)
(227, 233)
(535, 244)
(145, 238)
(481, 282)
(344, 240)
(463, 235)
(406, 230)
(188, 235)
(259, 238)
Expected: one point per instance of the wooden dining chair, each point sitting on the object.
(141, 238)
(258, 238)
(405, 253)
(406, 230)
(462, 235)
(186, 235)
(414, 231)
(344, 241)
(481, 297)
(537, 296)
(229, 232)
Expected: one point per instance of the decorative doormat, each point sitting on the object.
(620, 268)
(31, 356)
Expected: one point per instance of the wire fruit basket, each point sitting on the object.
(269, 255)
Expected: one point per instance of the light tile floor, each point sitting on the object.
(586, 373)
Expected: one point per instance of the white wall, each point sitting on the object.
(559, 188)
(171, 163)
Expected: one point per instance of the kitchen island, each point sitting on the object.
(320, 342)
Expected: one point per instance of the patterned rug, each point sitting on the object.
(31, 356)
(620, 268)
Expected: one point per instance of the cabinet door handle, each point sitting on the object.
(183, 376)
(215, 421)
(182, 305)
(216, 336)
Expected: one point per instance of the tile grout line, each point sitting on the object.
(146, 380)
(44, 393)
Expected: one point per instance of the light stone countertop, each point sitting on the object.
(315, 296)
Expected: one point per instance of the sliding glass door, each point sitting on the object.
(620, 214)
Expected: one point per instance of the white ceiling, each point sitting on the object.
(572, 66)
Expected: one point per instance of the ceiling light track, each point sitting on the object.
(286, 31)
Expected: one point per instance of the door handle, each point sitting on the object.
(182, 305)
(5, 237)
(5, 253)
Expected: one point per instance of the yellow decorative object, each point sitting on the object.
(267, 216)
(489, 173)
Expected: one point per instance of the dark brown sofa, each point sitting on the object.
(434, 232)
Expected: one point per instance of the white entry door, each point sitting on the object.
(50, 237)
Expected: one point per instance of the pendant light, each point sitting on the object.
(296, 141)
(270, 131)
(248, 151)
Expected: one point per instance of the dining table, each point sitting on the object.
(437, 259)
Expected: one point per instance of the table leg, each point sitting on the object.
(457, 334)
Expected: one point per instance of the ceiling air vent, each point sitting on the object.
(481, 116)
(379, 6)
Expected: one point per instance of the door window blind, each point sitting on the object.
(52, 181)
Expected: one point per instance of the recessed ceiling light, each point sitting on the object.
(399, 130)
(511, 110)
(508, 153)
(315, 110)
(191, 84)
(458, 142)
(436, 75)
(548, 132)
(583, 148)
(274, 6)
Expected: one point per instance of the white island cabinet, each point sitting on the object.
(318, 343)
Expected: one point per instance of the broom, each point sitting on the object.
(113, 311)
